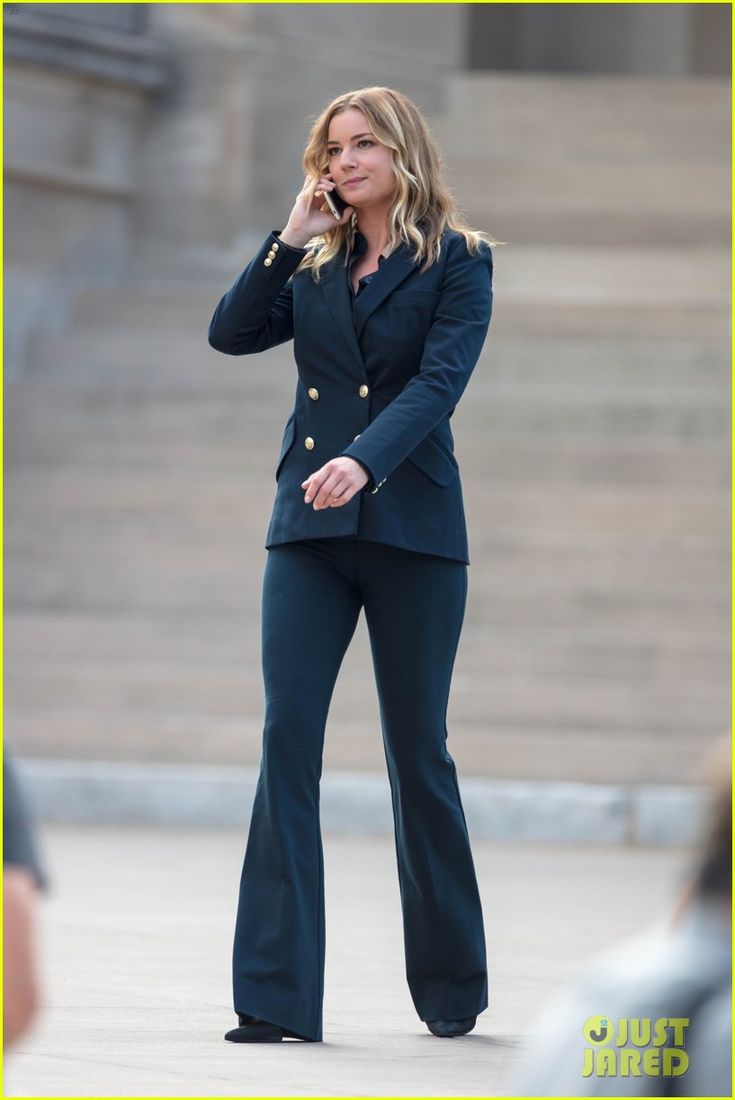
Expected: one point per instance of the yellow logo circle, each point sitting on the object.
(598, 1030)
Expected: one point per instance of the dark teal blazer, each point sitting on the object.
(377, 381)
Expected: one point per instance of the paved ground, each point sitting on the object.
(136, 947)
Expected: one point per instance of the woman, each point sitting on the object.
(388, 313)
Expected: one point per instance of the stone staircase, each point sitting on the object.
(593, 442)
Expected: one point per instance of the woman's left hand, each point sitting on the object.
(335, 483)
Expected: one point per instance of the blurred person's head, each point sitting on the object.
(24, 878)
(710, 877)
(400, 166)
(677, 968)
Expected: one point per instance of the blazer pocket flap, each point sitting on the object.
(434, 461)
(289, 434)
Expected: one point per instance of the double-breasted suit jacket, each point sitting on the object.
(377, 381)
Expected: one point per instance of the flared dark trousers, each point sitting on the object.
(414, 604)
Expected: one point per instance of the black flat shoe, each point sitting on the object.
(253, 1030)
(448, 1029)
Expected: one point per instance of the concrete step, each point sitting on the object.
(137, 639)
(504, 459)
(485, 681)
(512, 748)
(584, 276)
(109, 583)
(584, 203)
(622, 118)
(516, 225)
(50, 462)
(501, 598)
(183, 727)
(88, 361)
(634, 161)
(618, 322)
(654, 511)
(153, 306)
(694, 417)
(143, 509)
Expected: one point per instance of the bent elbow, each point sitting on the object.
(215, 343)
(216, 339)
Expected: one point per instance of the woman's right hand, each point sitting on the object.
(311, 215)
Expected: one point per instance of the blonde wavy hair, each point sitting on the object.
(423, 206)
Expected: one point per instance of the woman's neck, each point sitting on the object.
(374, 229)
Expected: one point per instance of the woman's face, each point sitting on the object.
(353, 152)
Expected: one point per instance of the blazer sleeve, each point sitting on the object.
(451, 350)
(256, 313)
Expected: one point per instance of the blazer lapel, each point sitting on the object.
(338, 293)
(393, 270)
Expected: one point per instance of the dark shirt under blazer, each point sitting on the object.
(379, 375)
